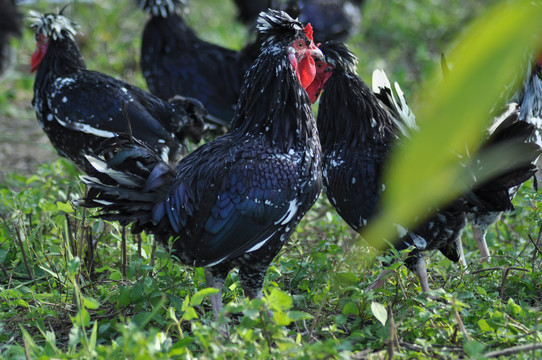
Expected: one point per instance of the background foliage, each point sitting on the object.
(75, 287)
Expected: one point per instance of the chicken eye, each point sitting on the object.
(300, 44)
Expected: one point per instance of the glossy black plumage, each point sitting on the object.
(233, 202)
(357, 132)
(530, 101)
(79, 108)
(175, 61)
(10, 25)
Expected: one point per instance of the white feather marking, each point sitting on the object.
(260, 244)
(103, 202)
(292, 210)
(216, 262)
(87, 129)
(101, 166)
(401, 230)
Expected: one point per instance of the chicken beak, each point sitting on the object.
(317, 54)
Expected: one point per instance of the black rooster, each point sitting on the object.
(175, 61)
(496, 198)
(233, 202)
(529, 98)
(79, 108)
(358, 128)
(331, 19)
(10, 25)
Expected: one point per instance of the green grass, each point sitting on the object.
(69, 289)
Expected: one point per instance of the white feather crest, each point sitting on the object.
(55, 26)
(162, 8)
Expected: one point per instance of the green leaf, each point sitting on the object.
(190, 314)
(115, 275)
(31, 179)
(350, 308)
(279, 300)
(20, 302)
(483, 325)
(180, 347)
(299, 315)
(474, 349)
(67, 207)
(198, 297)
(27, 338)
(91, 303)
(124, 297)
(93, 337)
(379, 312)
(142, 318)
(73, 266)
(82, 319)
(346, 278)
(136, 294)
(281, 318)
(251, 313)
(481, 290)
(171, 314)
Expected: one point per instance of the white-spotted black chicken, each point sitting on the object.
(491, 201)
(236, 200)
(358, 131)
(175, 61)
(10, 25)
(79, 108)
(529, 98)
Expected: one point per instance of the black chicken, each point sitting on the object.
(10, 25)
(175, 61)
(79, 108)
(529, 98)
(497, 198)
(357, 131)
(233, 202)
(331, 19)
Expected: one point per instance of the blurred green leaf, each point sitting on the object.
(281, 318)
(65, 206)
(379, 312)
(279, 300)
(200, 295)
(350, 308)
(91, 303)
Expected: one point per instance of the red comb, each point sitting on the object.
(308, 31)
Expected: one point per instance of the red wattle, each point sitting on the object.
(314, 90)
(39, 53)
(306, 71)
(35, 60)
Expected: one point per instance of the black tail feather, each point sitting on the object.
(508, 135)
(128, 179)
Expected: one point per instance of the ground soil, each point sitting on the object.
(23, 144)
